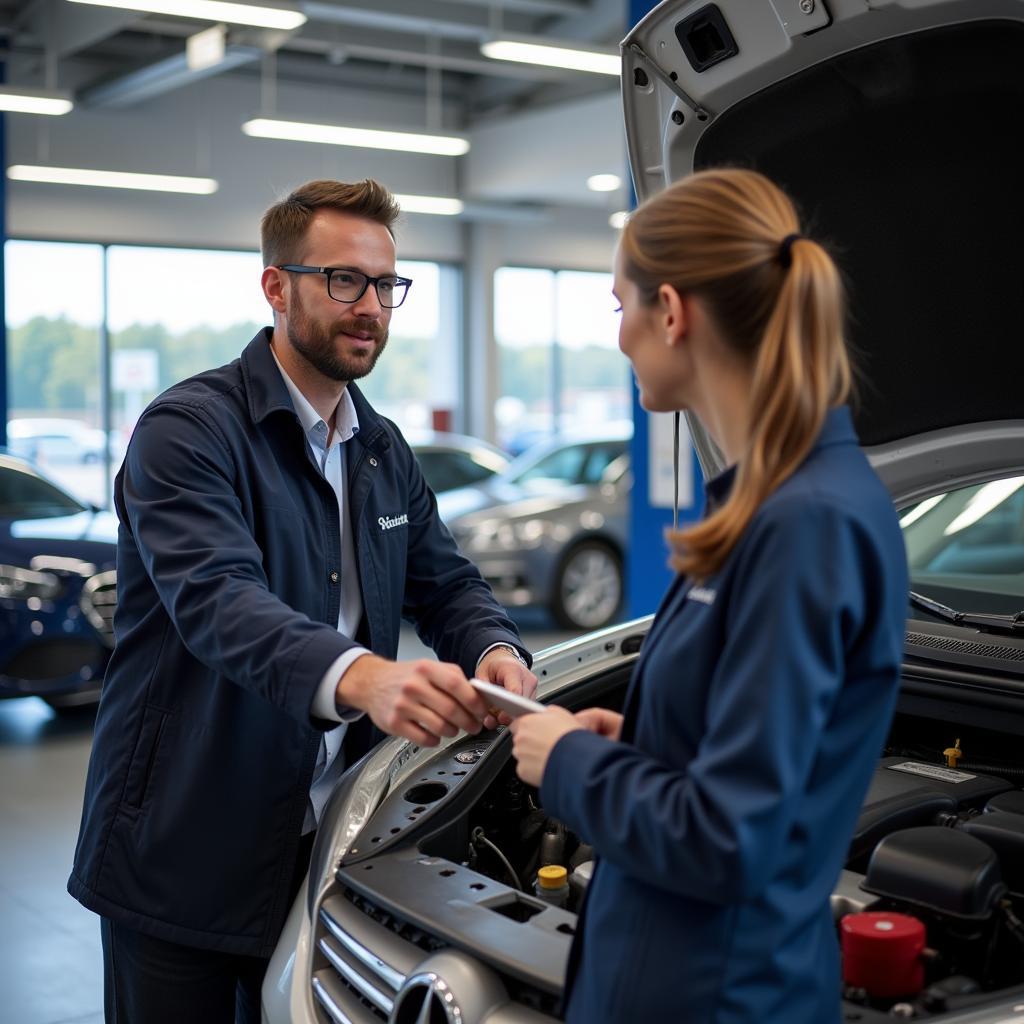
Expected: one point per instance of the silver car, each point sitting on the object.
(551, 529)
(892, 122)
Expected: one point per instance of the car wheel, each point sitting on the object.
(588, 586)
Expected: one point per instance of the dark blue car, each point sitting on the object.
(57, 589)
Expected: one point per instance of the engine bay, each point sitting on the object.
(929, 909)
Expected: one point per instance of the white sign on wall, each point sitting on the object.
(660, 461)
(135, 369)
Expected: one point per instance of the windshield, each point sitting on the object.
(965, 548)
(23, 495)
(583, 463)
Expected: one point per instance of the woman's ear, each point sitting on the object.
(674, 315)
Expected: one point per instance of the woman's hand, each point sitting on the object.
(534, 736)
(601, 721)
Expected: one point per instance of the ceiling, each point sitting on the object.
(389, 63)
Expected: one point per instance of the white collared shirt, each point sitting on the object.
(332, 464)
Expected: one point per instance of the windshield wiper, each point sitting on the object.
(987, 621)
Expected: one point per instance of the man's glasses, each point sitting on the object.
(350, 285)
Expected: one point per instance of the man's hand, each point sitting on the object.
(421, 700)
(534, 736)
(501, 667)
(601, 721)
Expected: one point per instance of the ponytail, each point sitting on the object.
(778, 299)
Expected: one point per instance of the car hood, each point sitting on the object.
(891, 124)
(91, 536)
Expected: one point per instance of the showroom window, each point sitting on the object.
(54, 322)
(560, 368)
(172, 313)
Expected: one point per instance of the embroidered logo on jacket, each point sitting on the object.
(390, 524)
(702, 594)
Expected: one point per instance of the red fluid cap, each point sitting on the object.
(882, 953)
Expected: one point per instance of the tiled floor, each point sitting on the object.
(50, 961)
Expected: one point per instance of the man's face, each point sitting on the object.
(341, 340)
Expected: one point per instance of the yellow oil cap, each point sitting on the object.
(552, 876)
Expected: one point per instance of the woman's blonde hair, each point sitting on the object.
(725, 236)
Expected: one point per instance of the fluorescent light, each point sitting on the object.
(34, 101)
(618, 220)
(439, 205)
(210, 10)
(604, 182)
(369, 138)
(597, 61)
(112, 179)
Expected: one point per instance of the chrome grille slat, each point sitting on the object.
(381, 968)
(355, 979)
(362, 963)
(98, 601)
(331, 1000)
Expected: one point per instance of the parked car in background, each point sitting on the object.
(418, 905)
(57, 589)
(454, 460)
(551, 529)
(47, 440)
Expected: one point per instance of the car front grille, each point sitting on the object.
(363, 959)
(98, 601)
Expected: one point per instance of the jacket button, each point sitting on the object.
(373, 461)
(334, 577)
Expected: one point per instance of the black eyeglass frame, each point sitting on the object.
(298, 268)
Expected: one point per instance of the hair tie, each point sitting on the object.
(785, 255)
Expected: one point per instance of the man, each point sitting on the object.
(274, 530)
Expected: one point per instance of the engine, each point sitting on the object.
(928, 909)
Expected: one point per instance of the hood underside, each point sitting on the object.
(895, 128)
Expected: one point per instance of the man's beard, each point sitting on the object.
(316, 344)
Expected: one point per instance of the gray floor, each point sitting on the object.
(50, 963)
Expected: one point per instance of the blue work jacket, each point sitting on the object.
(228, 593)
(754, 719)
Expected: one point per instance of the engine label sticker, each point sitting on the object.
(932, 771)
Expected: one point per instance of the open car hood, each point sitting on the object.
(894, 125)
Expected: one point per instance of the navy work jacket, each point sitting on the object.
(228, 594)
(754, 719)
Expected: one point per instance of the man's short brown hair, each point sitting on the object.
(284, 225)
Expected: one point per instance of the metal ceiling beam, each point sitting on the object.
(71, 28)
(163, 76)
(443, 18)
(545, 7)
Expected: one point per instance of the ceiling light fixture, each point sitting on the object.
(112, 179)
(618, 220)
(604, 182)
(600, 62)
(369, 138)
(439, 205)
(34, 101)
(211, 10)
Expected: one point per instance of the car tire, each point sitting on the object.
(588, 586)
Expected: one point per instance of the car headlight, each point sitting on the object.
(504, 535)
(26, 584)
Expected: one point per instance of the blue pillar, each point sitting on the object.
(648, 574)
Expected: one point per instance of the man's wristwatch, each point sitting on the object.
(511, 650)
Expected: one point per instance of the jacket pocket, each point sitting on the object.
(140, 769)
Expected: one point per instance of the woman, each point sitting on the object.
(722, 800)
